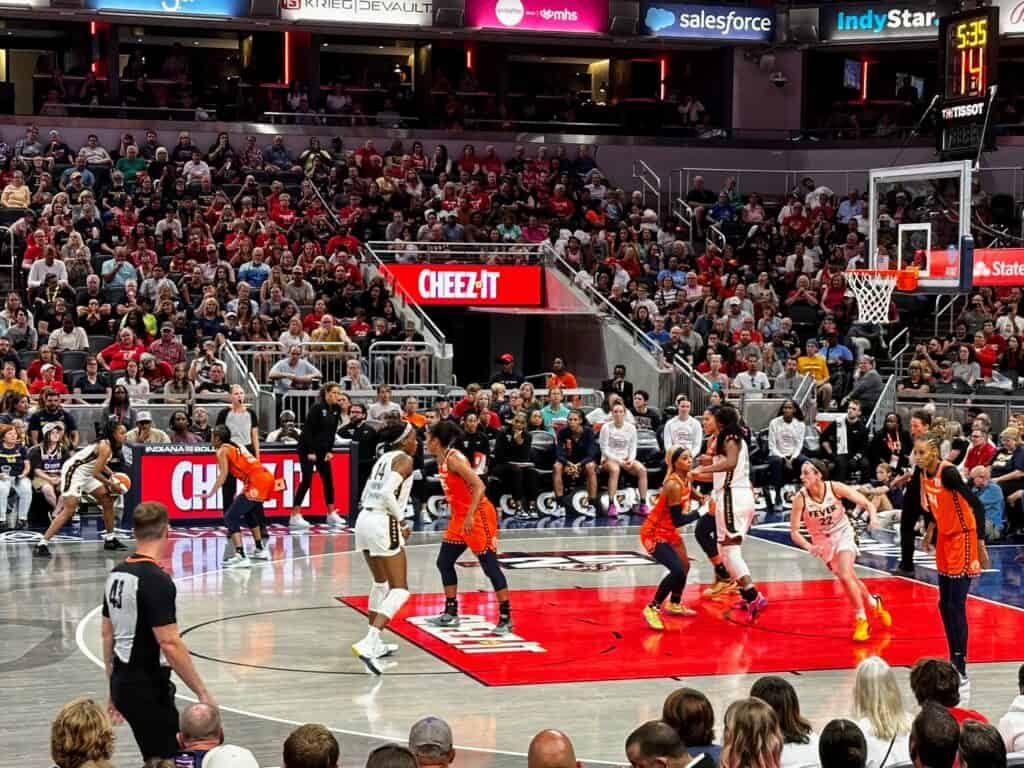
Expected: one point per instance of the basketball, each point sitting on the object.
(124, 481)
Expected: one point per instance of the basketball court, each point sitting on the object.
(272, 642)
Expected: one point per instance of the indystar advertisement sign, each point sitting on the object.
(884, 21)
(709, 22)
(405, 12)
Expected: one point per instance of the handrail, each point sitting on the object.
(716, 238)
(649, 180)
(896, 355)
(805, 396)
(452, 252)
(398, 290)
(639, 336)
(787, 177)
(683, 211)
(886, 403)
(330, 119)
(9, 233)
(948, 308)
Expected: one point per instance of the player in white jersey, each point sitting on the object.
(380, 535)
(733, 499)
(819, 506)
(87, 473)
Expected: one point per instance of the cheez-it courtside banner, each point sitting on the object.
(179, 476)
(469, 284)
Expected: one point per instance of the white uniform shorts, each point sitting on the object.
(77, 481)
(734, 512)
(379, 534)
(842, 540)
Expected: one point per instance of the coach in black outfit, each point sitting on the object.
(141, 643)
(314, 448)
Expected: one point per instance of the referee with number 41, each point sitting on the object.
(141, 643)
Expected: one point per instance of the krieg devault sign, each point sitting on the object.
(403, 12)
(709, 22)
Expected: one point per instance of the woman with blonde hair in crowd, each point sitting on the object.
(752, 737)
(81, 736)
(881, 716)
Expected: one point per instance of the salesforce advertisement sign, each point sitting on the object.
(709, 22)
(174, 7)
(539, 15)
(868, 23)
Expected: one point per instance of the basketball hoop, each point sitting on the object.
(873, 289)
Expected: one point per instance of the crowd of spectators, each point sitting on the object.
(763, 730)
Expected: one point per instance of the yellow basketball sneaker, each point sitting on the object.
(653, 618)
(883, 615)
(678, 609)
(721, 588)
(861, 630)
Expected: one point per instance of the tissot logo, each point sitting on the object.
(963, 110)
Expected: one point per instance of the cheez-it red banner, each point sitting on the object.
(469, 284)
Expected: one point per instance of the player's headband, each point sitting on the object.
(677, 453)
(405, 434)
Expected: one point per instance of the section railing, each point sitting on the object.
(897, 348)
(239, 372)
(8, 259)
(404, 363)
(330, 358)
(773, 184)
(683, 211)
(443, 252)
(999, 408)
(650, 184)
(886, 404)
(691, 382)
(945, 313)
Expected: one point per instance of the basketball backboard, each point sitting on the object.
(917, 217)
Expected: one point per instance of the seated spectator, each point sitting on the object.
(512, 467)
(199, 731)
(800, 743)
(1008, 473)
(92, 381)
(383, 405)
(934, 737)
(786, 434)
(753, 379)
(555, 413)
(179, 429)
(752, 737)
(842, 745)
(134, 383)
(813, 364)
(116, 356)
(936, 681)
(883, 720)
(69, 337)
(199, 371)
(144, 432)
(156, 372)
(551, 749)
(288, 433)
(618, 443)
(867, 387)
(657, 743)
(991, 497)
(52, 411)
(16, 194)
(46, 460)
(690, 714)
(216, 387)
(430, 740)
(48, 380)
(10, 381)
(294, 372)
(81, 736)
(14, 475)
(391, 756)
(179, 389)
(981, 746)
(1011, 725)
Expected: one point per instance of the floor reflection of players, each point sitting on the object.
(819, 506)
(660, 536)
(473, 524)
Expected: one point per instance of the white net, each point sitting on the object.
(873, 291)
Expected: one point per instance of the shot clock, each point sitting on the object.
(969, 44)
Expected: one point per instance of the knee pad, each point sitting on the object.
(378, 592)
(732, 557)
(446, 565)
(489, 563)
(393, 602)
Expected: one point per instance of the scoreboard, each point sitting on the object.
(968, 59)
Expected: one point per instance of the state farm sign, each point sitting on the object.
(469, 284)
(998, 267)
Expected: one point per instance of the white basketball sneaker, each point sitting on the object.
(298, 523)
(237, 560)
(334, 520)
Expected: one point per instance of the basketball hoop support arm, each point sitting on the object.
(992, 90)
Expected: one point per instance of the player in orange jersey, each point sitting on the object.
(660, 536)
(258, 485)
(473, 524)
(958, 531)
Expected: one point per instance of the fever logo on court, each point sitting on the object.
(567, 561)
(475, 634)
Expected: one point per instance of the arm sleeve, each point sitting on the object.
(952, 480)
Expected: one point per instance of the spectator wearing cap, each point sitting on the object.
(309, 746)
(230, 756)
(166, 348)
(430, 740)
(156, 372)
(50, 412)
(144, 432)
(507, 374)
(288, 433)
(48, 380)
(947, 383)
